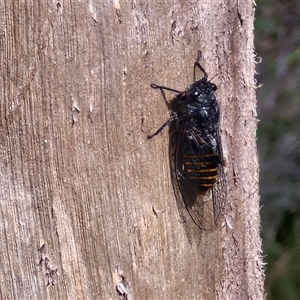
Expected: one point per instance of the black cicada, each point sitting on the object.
(195, 149)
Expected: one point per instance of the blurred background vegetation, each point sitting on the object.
(277, 42)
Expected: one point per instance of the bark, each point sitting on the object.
(80, 182)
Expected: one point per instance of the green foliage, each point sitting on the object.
(277, 39)
(294, 58)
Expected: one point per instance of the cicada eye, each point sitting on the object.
(213, 87)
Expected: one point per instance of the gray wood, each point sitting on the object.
(77, 172)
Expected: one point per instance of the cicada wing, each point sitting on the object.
(203, 208)
(199, 206)
(219, 195)
(184, 193)
(219, 189)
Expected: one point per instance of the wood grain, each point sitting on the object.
(79, 180)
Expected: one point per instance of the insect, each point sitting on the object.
(195, 149)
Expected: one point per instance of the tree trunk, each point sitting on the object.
(87, 205)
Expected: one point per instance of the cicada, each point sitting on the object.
(195, 149)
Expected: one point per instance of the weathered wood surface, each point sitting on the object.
(77, 172)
